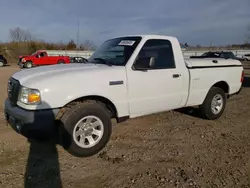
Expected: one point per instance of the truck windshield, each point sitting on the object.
(115, 51)
(34, 53)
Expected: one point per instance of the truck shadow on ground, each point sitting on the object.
(42, 168)
(246, 82)
(191, 111)
(5, 66)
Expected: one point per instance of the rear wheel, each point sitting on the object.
(85, 129)
(28, 64)
(214, 104)
(61, 62)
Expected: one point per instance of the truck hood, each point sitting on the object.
(65, 72)
(22, 56)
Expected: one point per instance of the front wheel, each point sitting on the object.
(85, 129)
(28, 64)
(214, 104)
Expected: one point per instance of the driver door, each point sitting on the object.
(154, 83)
(40, 59)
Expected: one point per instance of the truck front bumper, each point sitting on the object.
(21, 65)
(30, 123)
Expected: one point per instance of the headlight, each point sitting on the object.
(29, 96)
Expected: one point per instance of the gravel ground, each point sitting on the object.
(172, 149)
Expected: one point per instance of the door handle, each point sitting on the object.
(176, 75)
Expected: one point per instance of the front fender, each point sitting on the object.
(59, 85)
(118, 99)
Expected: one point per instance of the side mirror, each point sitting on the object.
(37, 56)
(144, 63)
(152, 62)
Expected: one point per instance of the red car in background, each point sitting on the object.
(41, 57)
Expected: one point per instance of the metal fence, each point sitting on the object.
(188, 53)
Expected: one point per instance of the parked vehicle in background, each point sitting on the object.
(41, 57)
(218, 54)
(126, 77)
(3, 61)
(246, 57)
(78, 60)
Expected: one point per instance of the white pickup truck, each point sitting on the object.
(126, 77)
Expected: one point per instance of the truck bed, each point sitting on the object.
(211, 63)
(203, 73)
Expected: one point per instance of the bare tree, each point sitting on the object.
(87, 45)
(20, 35)
(71, 45)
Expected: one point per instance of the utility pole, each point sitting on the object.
(78, 25)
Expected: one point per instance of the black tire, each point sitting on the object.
(206, 107)
(69, 121)
(61, 62)
(28, 64)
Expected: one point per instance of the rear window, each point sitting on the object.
(227, 55)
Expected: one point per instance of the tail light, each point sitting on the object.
(242, 76)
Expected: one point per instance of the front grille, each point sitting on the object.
(13, 90)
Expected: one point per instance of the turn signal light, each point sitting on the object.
(242, 76)
(33, 97)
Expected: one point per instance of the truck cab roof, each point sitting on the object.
(149, 36)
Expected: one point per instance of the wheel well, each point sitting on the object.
(29, 61)
(223, 85)
(104, 101)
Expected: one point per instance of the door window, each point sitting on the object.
(156, 54)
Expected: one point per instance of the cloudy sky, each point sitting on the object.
(192, 21)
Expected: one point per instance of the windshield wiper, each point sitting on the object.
(103, 61)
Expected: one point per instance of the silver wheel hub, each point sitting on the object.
(88, 131)
(217, 104)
